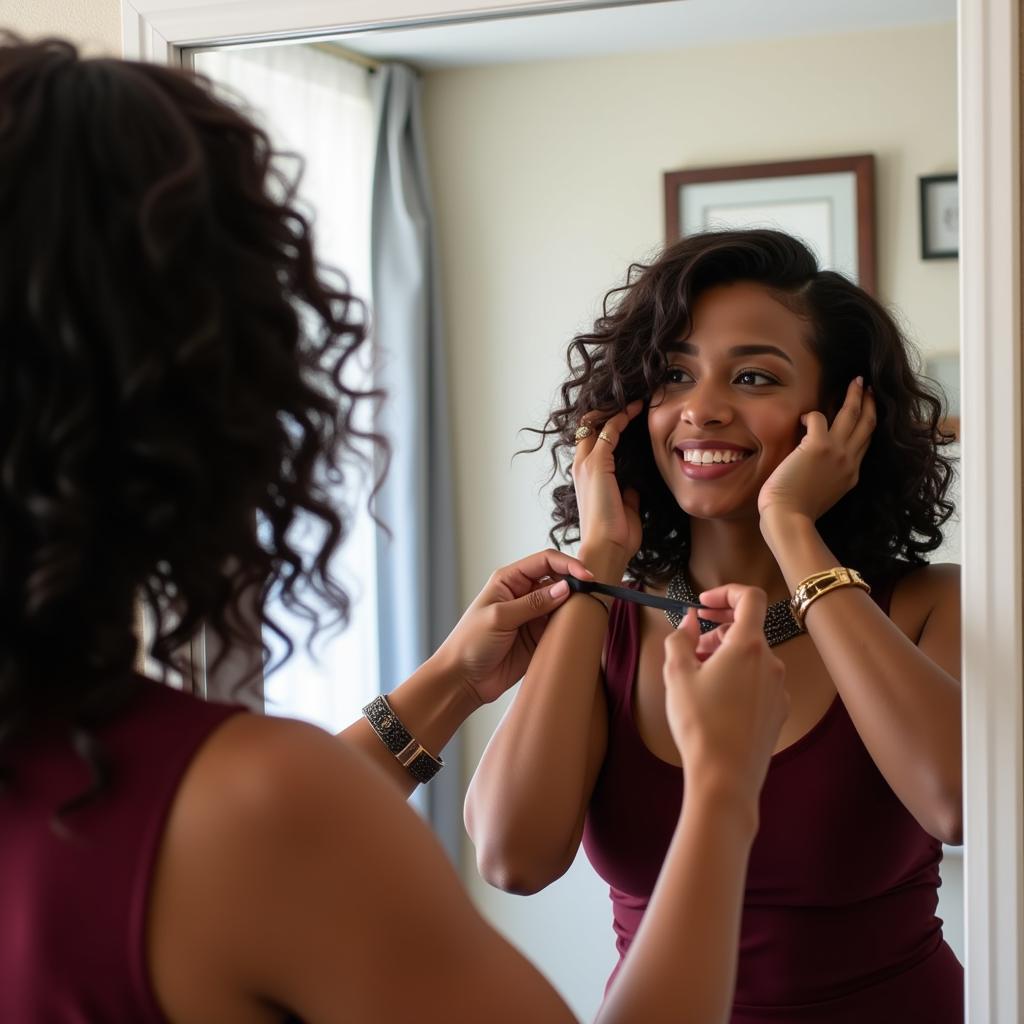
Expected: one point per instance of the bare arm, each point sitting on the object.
(528, 798)
(898, 677)
(527, 802)
(903, 697)
(432, 703)
(486, 653)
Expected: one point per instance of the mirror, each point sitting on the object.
(549, 138)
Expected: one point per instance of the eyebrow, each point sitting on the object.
(689, 349)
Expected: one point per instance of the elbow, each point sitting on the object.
(514, 873)
(508, 879)
(505, 856)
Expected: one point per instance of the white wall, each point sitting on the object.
(548, 181)
(95, 25)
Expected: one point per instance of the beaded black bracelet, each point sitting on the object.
(411, 754)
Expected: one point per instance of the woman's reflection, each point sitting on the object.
(754, 420)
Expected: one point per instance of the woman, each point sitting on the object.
(749, 417)
(173, 399)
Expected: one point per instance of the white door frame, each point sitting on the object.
(992, 518)
(991, 389)
(159, 30)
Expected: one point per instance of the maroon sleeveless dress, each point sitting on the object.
(839, 922)
(73, 908)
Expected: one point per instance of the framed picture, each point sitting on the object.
(827, 203)
(940, 216)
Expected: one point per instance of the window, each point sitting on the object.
(317, 106)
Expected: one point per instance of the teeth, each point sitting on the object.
(707, 456)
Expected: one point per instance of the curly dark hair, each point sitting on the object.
(176, 388)
(895, 512)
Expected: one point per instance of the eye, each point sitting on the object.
(755, 378)
(677, 375)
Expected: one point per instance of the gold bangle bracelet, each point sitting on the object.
(820, 583)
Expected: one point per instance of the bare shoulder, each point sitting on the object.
(922, 590)
(256, 769)
(293, 874)
(926, 606)
(265, 795)
(258, 779)
(259, 800)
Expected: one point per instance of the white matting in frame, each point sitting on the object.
(819, 209)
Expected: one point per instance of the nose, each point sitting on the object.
(706, 404)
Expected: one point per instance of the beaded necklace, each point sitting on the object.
(779, 624)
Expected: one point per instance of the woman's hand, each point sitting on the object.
(608, 519)
(724, 697)
(494, 640)
(826, 463)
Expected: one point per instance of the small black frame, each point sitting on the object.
(940, 216)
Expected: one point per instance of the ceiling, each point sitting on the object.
(639, 28)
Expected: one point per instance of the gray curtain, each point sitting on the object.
(417, 600)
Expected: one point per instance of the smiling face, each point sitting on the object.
(730, 409)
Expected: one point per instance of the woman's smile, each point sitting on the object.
(709, 460)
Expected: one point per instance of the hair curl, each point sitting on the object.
(175, 382)
(896, 510)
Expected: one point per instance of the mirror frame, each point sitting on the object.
(992, 390)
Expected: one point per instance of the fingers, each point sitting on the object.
(747, 606)
(713, 613)
(849, 412)
(681, 646)
(862, 432)
(605, 435)
(510, 615)
(522, 576)
(850, 434)
(585, 445)
(710, 641)
(856, 418)
(816, 424)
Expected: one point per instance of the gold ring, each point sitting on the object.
(606, 437)
(582, 431)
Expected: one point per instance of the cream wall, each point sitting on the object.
(95, 25)
(548, 180)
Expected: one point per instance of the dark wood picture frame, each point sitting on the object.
(862, 165)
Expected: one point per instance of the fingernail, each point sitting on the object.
(860, 382)
(560, 588)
